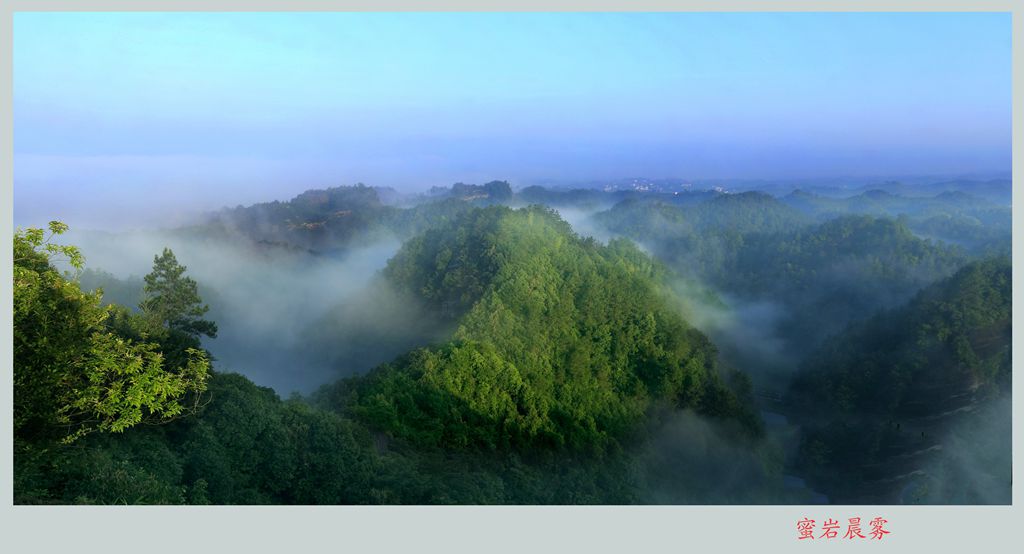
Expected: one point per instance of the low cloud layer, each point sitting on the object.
(288, 319)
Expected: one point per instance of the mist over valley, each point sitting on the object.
(311, 293)
(512, 258)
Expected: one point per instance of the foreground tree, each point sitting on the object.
(72, 375)
(172, 299)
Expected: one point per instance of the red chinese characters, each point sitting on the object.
(806, 528)
(876, 528)
(853, 529)
(830, 529)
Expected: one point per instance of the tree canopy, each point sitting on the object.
(172, 299)
(559, 341)
(73, 376)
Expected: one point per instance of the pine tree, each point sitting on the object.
(172, 299)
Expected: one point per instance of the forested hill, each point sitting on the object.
(980, 225)
(508, 359)
(560, 342)
(326, 220)
(885, 202)
(564, 366)
(314, 220)
(334, 219)
(750, 212)
(855, 253)
(830, 275)
(906, 400)
(754, 247)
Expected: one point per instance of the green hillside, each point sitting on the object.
(559, 341)
(563, 363)
(878, 401)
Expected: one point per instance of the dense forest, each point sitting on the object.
(476, 344)
(883, 390)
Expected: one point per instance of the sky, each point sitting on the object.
(144, 118)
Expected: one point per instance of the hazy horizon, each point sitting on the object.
(151, 117)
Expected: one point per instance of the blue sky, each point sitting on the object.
(201, 110)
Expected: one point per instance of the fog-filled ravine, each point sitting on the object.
(662, 343)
